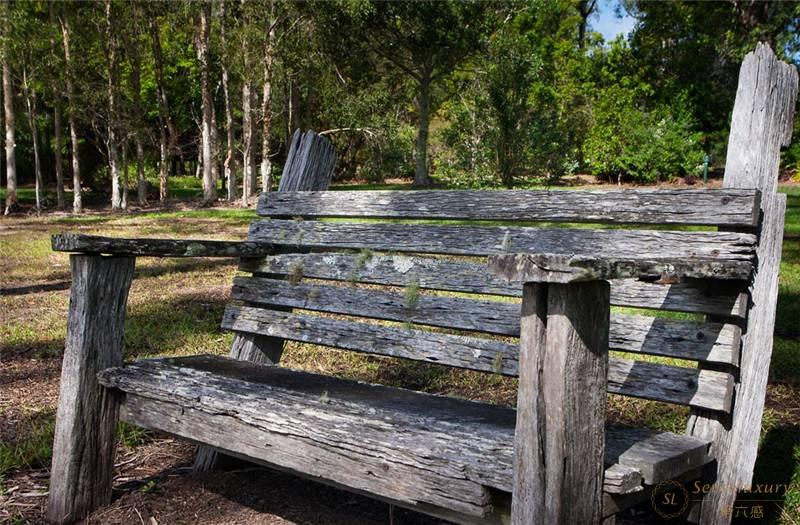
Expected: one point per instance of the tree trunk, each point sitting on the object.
(266, 104)
(214, 148)
(77, 205)
(209, 188)
(125, 175)
(168, 139)
(230, 159)
(136, 89)
(57, 125)
(112, 85)
(30, 103)
(423, 103)
(58, 141)
(11, 163)
(585, 10)
(248, 143)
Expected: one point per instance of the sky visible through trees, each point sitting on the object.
(112, 98)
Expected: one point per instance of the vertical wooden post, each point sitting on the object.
(762, 122)
(309, 167)
(559, 443)
(85, 435)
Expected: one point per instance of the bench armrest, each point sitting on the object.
(92, 244)
(560, 268)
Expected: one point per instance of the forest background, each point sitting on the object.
(115, 97)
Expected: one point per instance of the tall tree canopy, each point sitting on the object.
(462, 93)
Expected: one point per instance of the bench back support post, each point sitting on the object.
(761, 125)
(309, 166)
(85, 434)
(559, 441)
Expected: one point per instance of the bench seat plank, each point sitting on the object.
(396, 443)
(686, 386)
(716, 297)
(685, 206)
(724, 254)
(700, 341)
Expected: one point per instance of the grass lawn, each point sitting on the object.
(175, 307)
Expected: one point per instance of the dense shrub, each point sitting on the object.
(626, 142)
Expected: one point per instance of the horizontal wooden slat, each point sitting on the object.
(683, 386)
(686, 386)
(407, 445)
(559, 268)
(731, 252)
(717, 297)
(79, 243)
(487, 355)
(629, 333)
(701, 206)
(564, 269)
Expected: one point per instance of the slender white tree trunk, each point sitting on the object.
(136, 92)
(113, 146)
(11, 161)
(57, 124)
(248, 142)
(266, 104)
(30, 104)
(166, 131)
(77, 204)
(230, 158)
(209, 188)
(125, 175)
(141, 183)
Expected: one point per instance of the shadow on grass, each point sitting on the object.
(185, 325)
(41, 349)
(62, 281)
(775, 467)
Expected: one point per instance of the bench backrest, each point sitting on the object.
(431, 273)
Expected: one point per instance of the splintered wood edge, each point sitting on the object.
(558, 268)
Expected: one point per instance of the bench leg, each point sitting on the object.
(85, 435)
(559, 441)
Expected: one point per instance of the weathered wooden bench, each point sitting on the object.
(354, 285)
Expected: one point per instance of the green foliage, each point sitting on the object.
(131, 436)
(629, 140)
(516, 93)
(626, 142)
